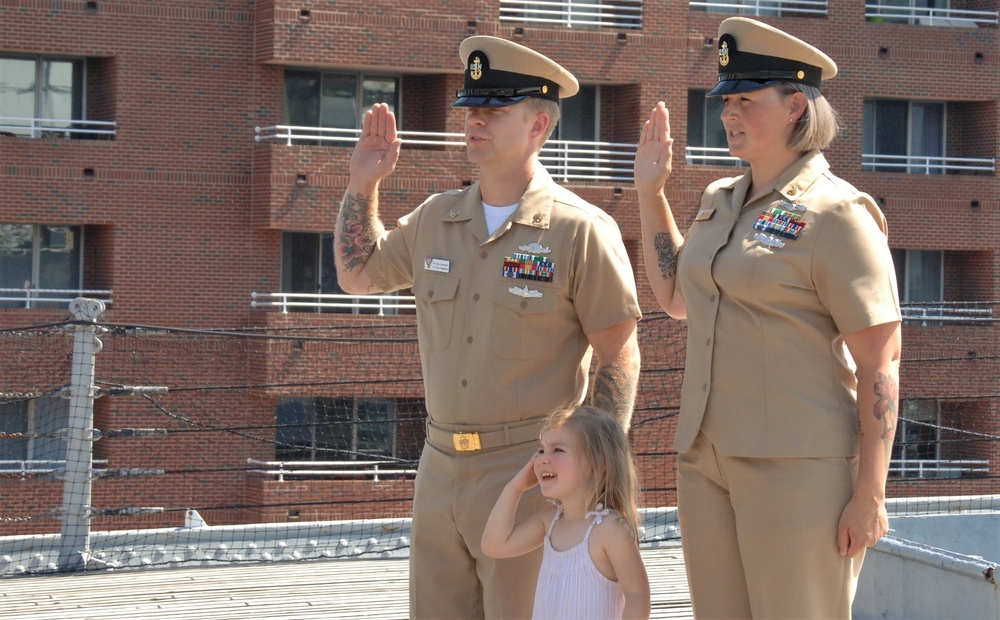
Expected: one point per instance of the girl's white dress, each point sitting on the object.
(569, 585)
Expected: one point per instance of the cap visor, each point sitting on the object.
(730, 87)
(486, 102)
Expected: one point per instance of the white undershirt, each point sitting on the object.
(497, 215)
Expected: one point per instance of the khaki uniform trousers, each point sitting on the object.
(760, 535)
(450, 578)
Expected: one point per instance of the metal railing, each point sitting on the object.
(564, 159)
(949, 312)
(332, 469)
(570, 13)
(937, 468)
(35, 467)
(923, 164)
(46, 297)
(764, 7)
(711, 156)
(55, 127)
(927, 16)
(318, 302)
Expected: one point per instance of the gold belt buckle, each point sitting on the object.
(466, 442)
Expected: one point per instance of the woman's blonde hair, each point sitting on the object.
(819, 124)
(605, 446)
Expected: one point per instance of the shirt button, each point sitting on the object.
(464, 383)
(475, 297)
(430, 293)
(469, 339)
(524, 304)
(484, 255)
(708, 342)
(704, 387)
(712, 299)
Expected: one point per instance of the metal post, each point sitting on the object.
(79, 437)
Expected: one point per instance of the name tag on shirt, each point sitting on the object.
(440, 265)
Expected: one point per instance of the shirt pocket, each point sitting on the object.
(435, 297)
(523, 324)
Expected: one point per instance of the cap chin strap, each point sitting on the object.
(536, 91)
(765, 76)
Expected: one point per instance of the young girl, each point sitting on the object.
(591, 567)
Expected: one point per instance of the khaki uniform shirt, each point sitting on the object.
(496, 348)
(767, 371)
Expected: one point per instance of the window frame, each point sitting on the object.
(359, 97)
(35, 439)
(37, 268)
(78, 96)
(870, 137)
(323, 443)
(705, 114)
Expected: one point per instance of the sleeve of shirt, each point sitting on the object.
(390, 266)
(603, 285)
(852, 266)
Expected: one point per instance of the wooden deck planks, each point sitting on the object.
(328, 590)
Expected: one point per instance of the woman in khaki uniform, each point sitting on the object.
(788, 406)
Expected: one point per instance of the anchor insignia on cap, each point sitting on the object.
(724, 53)
(476, 68)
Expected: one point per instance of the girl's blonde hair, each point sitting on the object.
(819, 124)
(606, 448)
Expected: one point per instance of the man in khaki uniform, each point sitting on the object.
(789, 399)
(518, 282)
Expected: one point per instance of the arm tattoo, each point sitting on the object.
(666, 254)
(887, 397)
(614, 391)
(356, 237)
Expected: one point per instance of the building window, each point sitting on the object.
(307, 269)
(331, 100)
(758, 8)
(40, 96)
(39, 422)
(36, 261)
(573, 152)
(916, 451)
(904, 136)
(929, 13)
(574, 13)
(335, 429)
(919, 275)
(707, 144)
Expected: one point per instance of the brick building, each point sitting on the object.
(176, 157)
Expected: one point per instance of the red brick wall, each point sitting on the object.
(184, 211)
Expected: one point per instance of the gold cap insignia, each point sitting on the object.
(724, 53)
(476, 68)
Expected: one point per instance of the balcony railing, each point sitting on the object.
(946, 312)
(380, 305)
(47, 297)
(926, 16)
(763, 7)
(938, 468)
(36, 467)
(566, 160)
(608, 13)
(332, 469)
(711, 156)
(923, 164)
(55, 127)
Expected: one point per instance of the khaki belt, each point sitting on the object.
(473, 440)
